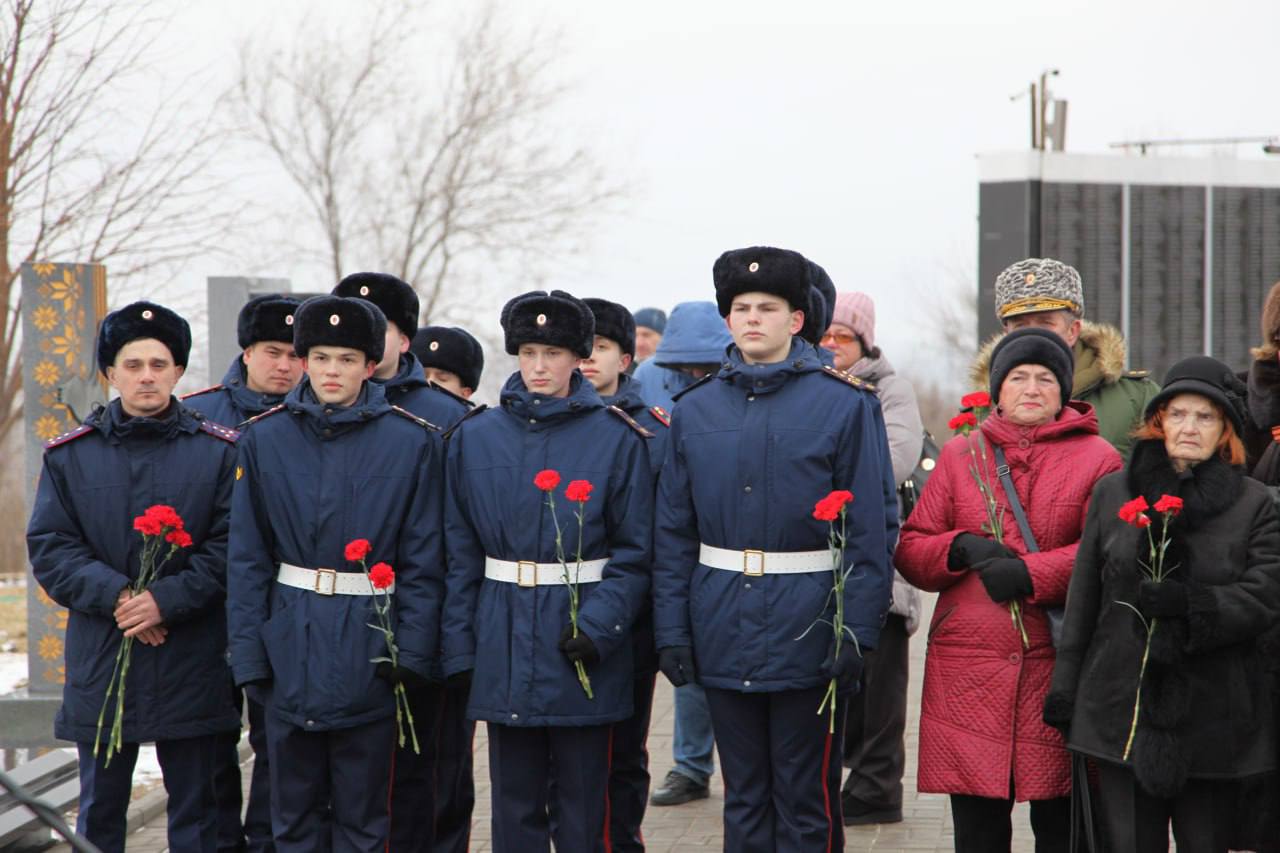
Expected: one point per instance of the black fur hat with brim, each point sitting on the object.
(452, 349)
(762, 269)
(397, 301)
(556, 319)
(143, 320)
(332, 321)
(266, 318)
(615, 322)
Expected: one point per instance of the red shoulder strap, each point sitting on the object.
(58, 441)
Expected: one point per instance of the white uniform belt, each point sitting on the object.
(526, 573)
(752, 562)
(327, 581)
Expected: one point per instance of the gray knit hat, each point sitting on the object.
(1038, 284)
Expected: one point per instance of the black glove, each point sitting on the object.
(579, 648)
(393, 675)
(1005, 578)
(1162, 599)
(676, 663)
(969, 549)
(460, 681)
(845, 669)
(1058, 708)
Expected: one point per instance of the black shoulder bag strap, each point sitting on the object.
(1015, 504)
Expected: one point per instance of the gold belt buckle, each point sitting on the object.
(332, 575)
(521, 565)
(753, 569)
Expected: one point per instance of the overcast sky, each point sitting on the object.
(845, 131)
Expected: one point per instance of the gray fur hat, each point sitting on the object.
(1038, 284)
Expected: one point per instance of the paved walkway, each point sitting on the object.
(697, 826)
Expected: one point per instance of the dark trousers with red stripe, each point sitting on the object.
(781, 770)
(629, 771)
(576, 760)
(329, 789)
(433, 792)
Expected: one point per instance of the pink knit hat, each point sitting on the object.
(858, 312)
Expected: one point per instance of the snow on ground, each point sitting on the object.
(13, 671)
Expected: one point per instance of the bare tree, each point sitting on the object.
(413, 178)
(81, 177)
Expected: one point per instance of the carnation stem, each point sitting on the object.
(1137, 699)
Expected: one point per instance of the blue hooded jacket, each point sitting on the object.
(310, 479)
(696, 334)
(84, 552)
(751, 451)
(507, 634)
(233, 402)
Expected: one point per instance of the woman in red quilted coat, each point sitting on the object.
(982, 739)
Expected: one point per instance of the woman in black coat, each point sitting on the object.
(1206, 727)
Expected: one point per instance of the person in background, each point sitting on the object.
(1262, 417)
(874, 750)
(651, 324)
(451, 359)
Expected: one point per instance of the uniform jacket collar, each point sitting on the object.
(409, 376)
(539, 409)
(628, 397)
(247, 400)
(302, 402)
(116, 426)
(766, 378)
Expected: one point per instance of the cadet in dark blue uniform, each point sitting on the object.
(605, 368)
(742, 568)
(335, 463)
(143, 448)
(507, 611)
(451, 358)
(257, 380)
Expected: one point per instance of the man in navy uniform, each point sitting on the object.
(606, 369)
(399, 371)
(144, 448)
(451, 358)
(507, 611)
(335, 463)
(742, 569)
(266, 369)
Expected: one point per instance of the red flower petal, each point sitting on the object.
(547, 479)
(381, 575)
(976, 400)
(357, 550)
(578, 490)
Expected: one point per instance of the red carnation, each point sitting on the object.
(828, 509)
(166, 515)
(147, 526)
(181, 538)
(578, 490)
(963, 422)
(1169, 504)
(1142, 521)
(1132, 511)
(381, 576)
(547, 479)
(976, 400)
(357, 550)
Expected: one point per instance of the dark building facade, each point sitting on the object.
(1178, 253)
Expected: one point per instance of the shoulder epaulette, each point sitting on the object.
(1137, 374)
(703, 381)
(444, 390)
(219, 431)
(663, 416)
(253, 420)
(217, 387)
(848, 379)
(422, 422)
(630, 421)
(471, 414)
(60, 440)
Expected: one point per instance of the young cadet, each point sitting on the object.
(742, 569)
(398, 371)
(606, 369)
(258, 378)
(507, 611)
(144, 448)
(335, 463)
(451, 358)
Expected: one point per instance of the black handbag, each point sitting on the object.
(1055, 614)
(909, 491)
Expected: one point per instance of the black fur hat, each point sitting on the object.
(451, 349)
(761, 269)
(332, 321)
(556, 319)
(1207, 377)
(822, 305)
(395, 298)
(143, 320)
(615, 322)
(1033, 345)
(266, 318)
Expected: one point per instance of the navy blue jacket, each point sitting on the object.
(84, 551)
(509, 634)
(311, 478)
(409, 389)
(232, 402)
(750, 453)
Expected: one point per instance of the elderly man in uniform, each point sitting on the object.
(1048, 293)
(742, 569)
(507, 617)
(334, 464)
(451, 358)
(257, 380)
(143, 449)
